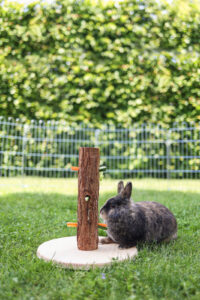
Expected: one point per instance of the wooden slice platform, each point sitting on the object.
(64, 251)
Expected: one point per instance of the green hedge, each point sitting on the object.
(137, 61)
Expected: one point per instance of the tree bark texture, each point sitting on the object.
(88, 194)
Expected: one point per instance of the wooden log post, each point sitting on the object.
(88, 194)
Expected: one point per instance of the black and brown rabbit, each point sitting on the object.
(129, 222)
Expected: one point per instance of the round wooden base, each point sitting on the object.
(64, 251)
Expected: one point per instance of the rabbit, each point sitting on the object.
(129, 223)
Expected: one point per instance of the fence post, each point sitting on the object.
(168, 146)
(24, 140)
(97, 133)
(2, 138)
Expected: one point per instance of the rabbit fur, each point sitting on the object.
(129, 223)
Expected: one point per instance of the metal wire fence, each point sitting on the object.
(48, 149)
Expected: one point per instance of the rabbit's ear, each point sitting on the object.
(127, 190)
(120, 187)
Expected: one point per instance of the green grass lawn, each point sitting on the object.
(34, 210)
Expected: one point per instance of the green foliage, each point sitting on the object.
(34, 211)
(87, 61)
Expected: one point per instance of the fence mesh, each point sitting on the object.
(48, 149)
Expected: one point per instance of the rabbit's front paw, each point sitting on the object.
(106, 240)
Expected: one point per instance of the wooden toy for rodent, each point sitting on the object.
(84, 250)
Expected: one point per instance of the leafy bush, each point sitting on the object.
(136, 61)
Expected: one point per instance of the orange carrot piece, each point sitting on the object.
(73, 224)
(102, 224)
(74, 168)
